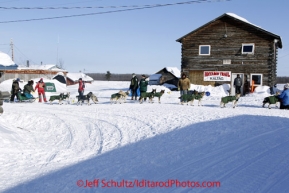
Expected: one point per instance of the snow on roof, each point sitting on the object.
(155, 76)
(175, 71)
(41, 67)
(76, 76)
(5, 60)
(241, 18)
(238, 18)
(245, 20)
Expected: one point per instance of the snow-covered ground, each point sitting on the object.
(63, 148)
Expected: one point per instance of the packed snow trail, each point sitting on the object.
(50, 148)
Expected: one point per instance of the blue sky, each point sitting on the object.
(139, 41)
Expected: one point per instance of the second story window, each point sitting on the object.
(204, 50)
(248, 48)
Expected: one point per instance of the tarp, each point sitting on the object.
(50, 87)
(60, 78)
(137, 92)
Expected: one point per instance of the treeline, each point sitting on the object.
(112, 77)
(283, 79)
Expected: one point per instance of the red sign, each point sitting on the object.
(217, 75)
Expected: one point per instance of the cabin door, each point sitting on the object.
(234, 75)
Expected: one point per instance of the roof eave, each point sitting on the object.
(228, 15)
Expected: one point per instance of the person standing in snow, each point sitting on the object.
(238, 83)
(15, 89)
(143, 86)
(133, 86)
(284, 97)
(80, 89)
(28, 88)
(184, 85)
(41, 90)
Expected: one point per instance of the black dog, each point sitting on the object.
(87, 98)
(271, 100)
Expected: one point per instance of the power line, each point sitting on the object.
(23, 54)
(283, 56)
(134, 7)
(108, 7)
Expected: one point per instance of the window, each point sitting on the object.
(248, 48)
(257, 78)
(204, 50)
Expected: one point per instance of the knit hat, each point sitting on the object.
(18, 79)
(133, 74)
(286, 85)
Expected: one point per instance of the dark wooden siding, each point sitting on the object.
(263, 60)
(168, 77)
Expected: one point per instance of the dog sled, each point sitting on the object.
(22, 98)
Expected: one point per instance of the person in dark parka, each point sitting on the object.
(238, 83)
(143, 85)
(28, 88)
(15, 89)
(133, 86)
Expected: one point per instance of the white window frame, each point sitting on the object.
(248, 44)
(251, 79)
(204, 46)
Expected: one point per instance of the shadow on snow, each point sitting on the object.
(244, 153)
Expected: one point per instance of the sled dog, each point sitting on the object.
(227, 99)
(146, 95)
(159, 95)
(119, 97)
(271, 100)
(88, 97)
(59, 97)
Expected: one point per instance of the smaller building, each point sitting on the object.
(169, 75)
(6, 64)
(155, 79)
(72, 78)
(31, 72)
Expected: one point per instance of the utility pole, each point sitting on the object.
(12, 51)
(57, 50)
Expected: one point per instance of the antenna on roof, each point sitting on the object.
(12, 52)
(57, 50)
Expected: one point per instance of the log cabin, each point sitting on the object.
(230, 45)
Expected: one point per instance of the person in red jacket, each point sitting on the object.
(40, 86)
(81, 89)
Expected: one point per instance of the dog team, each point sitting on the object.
(186, 96)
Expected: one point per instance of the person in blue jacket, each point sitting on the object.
(284, 97)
